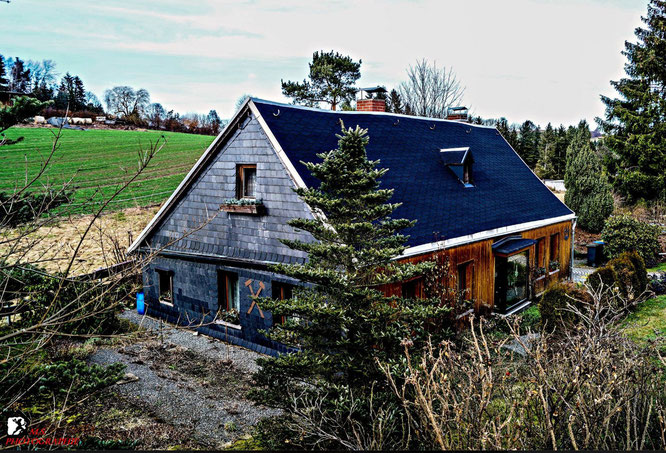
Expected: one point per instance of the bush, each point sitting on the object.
(604, 277)
(553, 304)
(626, 272)
(624, 234)
(640, 277)
(88, 306)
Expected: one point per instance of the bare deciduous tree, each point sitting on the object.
(124, 101)
(430, 90)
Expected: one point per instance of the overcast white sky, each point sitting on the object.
(523, 59)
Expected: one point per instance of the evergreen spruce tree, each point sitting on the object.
(545, 167)
(588, 190)
(529, 143)
(636, 121)
(340, 322)
(4, 82)
(560, 156)
(394, 102)
(78, 94)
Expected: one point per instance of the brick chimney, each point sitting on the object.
(371, 105)
(366, 103)
(458, 114)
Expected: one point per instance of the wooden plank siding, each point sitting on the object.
(481, 254)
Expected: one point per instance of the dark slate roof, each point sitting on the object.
(506, 191)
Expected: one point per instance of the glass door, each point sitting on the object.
(511, 280)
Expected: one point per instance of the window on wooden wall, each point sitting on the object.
(246, 181)
(540, 253)
(227, 291)
(465, 280)
(413, 289)
(554, 252)
(165, 282)
(281, 291)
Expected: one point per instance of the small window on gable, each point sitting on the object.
(165, 282)
(246, 181)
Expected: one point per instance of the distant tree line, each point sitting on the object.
(39, 80)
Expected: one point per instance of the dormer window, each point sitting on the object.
(246, 181)
(460, 162)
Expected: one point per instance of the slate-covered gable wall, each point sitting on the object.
(237, 235)
(255, 239)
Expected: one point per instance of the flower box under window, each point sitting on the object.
(244, 206)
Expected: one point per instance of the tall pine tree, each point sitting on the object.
(546, 165)
(4, 82)
(588, 191)
(331, 80)
(529, 143)
(636, 121)
(340, 322)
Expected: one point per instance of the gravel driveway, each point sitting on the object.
(189, 380)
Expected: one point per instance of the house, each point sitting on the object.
(505, 234)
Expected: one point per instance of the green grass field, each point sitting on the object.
(97, 161)
(649, 317)
(661, 267)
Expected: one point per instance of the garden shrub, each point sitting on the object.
(626, 272)
(89, 306)
(625, 275)
(640, 277)
(624, 234)
(56, 378)
(553, 304)
(603, 276)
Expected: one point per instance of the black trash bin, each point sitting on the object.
(595, 253)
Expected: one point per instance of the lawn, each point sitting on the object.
(97, 161)
(661, 267)
(649, 317)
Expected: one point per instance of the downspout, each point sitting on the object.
(573, 241)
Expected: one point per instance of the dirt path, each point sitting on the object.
(190, 381)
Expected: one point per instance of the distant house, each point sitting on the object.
(505, 233)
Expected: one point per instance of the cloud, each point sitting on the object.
(537, 59)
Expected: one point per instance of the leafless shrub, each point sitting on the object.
(319, 427)
(591, 388)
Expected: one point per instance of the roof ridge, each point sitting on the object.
(354, 112)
